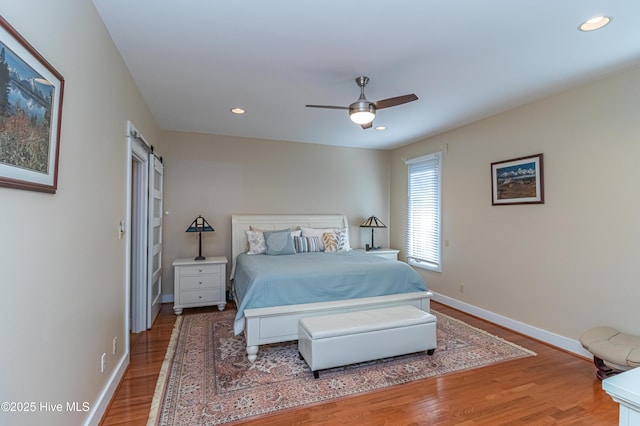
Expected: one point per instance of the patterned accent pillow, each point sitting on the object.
(306, 244)
(335, 240)
(279, 242)
(330, 241)
(257, 244)
(318, 232)
(343, 239)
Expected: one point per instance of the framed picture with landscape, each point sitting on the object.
(30, 115)
(518, 181)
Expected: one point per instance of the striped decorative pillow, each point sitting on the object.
(306, 244)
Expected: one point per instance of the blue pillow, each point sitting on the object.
(279, 242)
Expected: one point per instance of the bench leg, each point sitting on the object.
(316, 374)
(603, 370)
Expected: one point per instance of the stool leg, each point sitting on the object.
(603, 370)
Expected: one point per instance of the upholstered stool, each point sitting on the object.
(613, 351)
(347, 338)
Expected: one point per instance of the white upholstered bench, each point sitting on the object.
(347, 338)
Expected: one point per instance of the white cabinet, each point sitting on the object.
(624, 388)
(199, 283)
(387, 253)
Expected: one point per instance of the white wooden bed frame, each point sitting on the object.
(280, 323)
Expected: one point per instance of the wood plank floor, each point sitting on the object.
(552, 388)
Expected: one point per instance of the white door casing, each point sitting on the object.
(143, 267)
(138, 234)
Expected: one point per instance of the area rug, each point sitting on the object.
(206, 378)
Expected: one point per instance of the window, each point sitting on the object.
(423, 210)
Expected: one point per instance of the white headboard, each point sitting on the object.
(241, 223)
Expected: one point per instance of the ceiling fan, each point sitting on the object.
(363, 111)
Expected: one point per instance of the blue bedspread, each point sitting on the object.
(262, 280)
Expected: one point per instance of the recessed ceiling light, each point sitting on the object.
(595, 23)
(237, 110)
(381, 127)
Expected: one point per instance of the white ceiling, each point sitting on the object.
(193, 60)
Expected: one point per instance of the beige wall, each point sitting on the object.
(61, 262)
(562, 266)
(566, 265)
(218, 176)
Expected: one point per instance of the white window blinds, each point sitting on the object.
(423, 210)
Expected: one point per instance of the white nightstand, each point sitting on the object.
(387, 253)
(199, 283)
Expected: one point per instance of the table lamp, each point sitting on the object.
(372, 222)
(199, 225)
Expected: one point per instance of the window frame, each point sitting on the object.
(433, 261)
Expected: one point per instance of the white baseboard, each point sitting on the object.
(166, 298)
(100, 406)
(553, 339)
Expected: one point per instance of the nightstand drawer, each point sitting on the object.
(199, 296)
(192, 282)
(200, 270)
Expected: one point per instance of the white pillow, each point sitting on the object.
(295, 232)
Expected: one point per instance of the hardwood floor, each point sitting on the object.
(552, 388)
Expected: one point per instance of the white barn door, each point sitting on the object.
(154, 247)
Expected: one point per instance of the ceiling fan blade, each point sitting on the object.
(367, 125)
(398, 100)
(326, 106)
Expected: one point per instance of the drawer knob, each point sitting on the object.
(199, 297)
(199, 270)
(200, 282)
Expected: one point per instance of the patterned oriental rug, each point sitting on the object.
(206, 378)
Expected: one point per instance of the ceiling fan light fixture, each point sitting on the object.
(362, 112)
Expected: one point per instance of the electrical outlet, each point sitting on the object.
(103, 362)
(115, 345)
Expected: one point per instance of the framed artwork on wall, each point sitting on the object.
(30, 115)
(518, 181)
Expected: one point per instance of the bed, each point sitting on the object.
(268, 310)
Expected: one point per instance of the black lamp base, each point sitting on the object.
(372, 247)
(200, 256)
